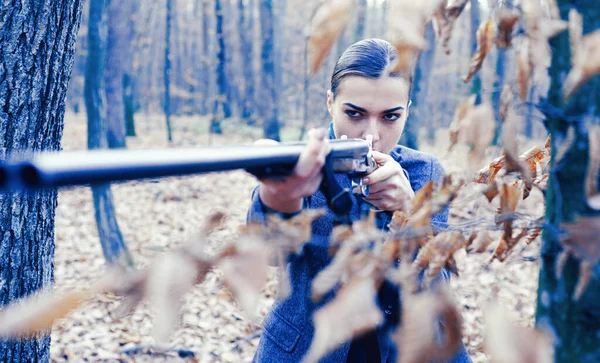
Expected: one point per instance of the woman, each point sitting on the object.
(364, 99)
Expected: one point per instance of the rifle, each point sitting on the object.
(63, 169)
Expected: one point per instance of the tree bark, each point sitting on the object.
(475, 21)
(574, 324)
(37, 48)
(268, 92)
(167, 69)
(221, 108)
(246, 31)
(111, 240)
(117, 55)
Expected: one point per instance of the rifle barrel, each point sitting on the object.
(49, 170)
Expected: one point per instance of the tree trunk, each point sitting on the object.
(208, 68)
(475, 21)
(574, 324)
(112, 243)
(246, 26)
(360, 20)
(268, 92)
(221, 108)
(117, 53)
(419, 112)
(167, 70)
(37, 48)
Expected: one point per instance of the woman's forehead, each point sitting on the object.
(373, 94)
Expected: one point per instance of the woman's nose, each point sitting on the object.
(371, 129)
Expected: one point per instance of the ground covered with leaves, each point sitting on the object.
(160, 216)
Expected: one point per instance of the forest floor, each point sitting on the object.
(156, 217)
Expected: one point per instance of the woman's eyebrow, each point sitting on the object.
(393, 109)
(355, 107)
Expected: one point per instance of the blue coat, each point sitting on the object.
(288, 328)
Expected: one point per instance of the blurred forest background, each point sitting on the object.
(233, 66)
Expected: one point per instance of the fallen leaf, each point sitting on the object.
(523, 69)
(478, 131)
(351, 313)
(583, 238)
(481, 243)
(591, 178)
(444, 19)
(506, 22)
(460, 115)
(327, 23)
(585, 275)
(586, 63)
(575, 33)
(421, 315)
(485, 43)
(507, 343)
(564, 145)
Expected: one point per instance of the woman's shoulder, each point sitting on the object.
(420, 166)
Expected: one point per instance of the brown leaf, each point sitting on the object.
(169, 278)
(575, 33)
(533, 234)
(460, 114)
(506, 22)
(331, 275)
(506, 99)
(481, 243)
(585, 275)
(491, 192)
(585, 65)
(523, 69)
(583, 238)
(351, 313)
(245, 274)
(508, 343)
(485, 43)
(591, 178)
(417, 336)
(443, 21)
(327, 23)
(478, 131)
(37, 313)
(531, 157)
(422, 195)
(565, 145)
(407, 31)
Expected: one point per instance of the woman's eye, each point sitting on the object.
(391, 117)
(353, 114)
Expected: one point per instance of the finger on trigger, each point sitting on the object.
(379, 175)
(381, 158)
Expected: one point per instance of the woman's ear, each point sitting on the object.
(330, 102)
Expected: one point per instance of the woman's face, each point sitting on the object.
(365, 106)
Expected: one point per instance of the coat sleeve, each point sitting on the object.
(439, 220)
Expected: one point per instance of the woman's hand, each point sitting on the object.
(389, 189)
(286, 196)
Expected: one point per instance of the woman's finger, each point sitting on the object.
(382, 173)
(310, 154)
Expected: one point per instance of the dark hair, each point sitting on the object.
(369, 58)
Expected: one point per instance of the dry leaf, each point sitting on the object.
(407, 31)
(481, 243)
(583, 238)
(417, 336)
(38, 312)
(533, 234)
(422, 196)
(443, 21)
(565, 145)
(507, 343)
(491, 191)
(460, 115)
(331, 275)
(575, 33)
(327, 23)
(506, 22)
(485, 43)
(585, 65)
(506, 99)
(523, 69)
(585, 275)
(246, 274)
(478, 131)
(591, 178)
(351, 313)
(531, 157)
